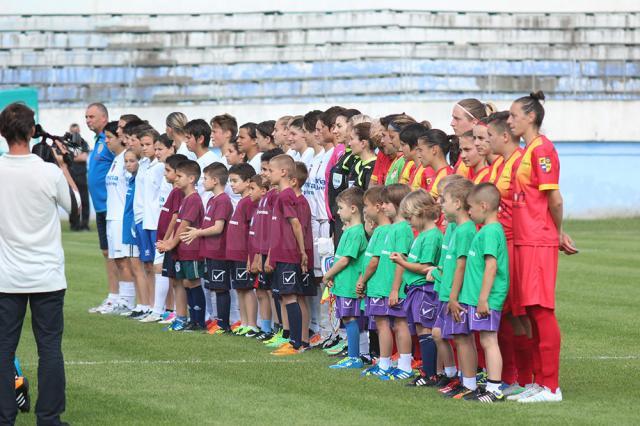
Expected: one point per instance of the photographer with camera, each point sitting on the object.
(79, 174)
(31, 264)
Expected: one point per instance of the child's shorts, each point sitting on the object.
(189, 270)
(169, 265)
(265, 281)
(442, 309)
(421, 305)
(452, 327)
(309, 287)
(379, 307)
(488, 323)
(241, 278)
(146, 240)
(347, 307)
(288, 279)
(116, 248)
(216, 275)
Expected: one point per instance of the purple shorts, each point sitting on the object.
(347, 307)
(421, 305)
(379, 307)
(442, 308)
(451, 327)
(488, 323)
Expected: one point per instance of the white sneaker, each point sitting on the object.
(151, 318)
(118, 309)
(530, 389)
(545, 395)
(101, 306)
(107, 308)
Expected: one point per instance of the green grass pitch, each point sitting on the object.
(121, 372)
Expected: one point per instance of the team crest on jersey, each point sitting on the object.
(545, 164)
(428, 181)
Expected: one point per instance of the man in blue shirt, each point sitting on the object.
(100, 161)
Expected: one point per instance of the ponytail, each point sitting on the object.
(533, 103)
(448, 144)
(454, 150)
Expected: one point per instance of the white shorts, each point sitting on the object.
(117, 249)
(159, 258)
(319, 229)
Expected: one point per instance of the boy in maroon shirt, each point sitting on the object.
(188, 268)
(287, 252)
(238, 249)
(309, 287)
(213, 234)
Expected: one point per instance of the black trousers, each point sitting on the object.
(47, 323)
(79, 175)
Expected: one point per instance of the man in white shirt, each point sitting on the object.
(31, 264)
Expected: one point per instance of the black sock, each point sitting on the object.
(295, 323)
(429, 354)
(199, 305)
(223, 303)
(285, 334)
(374, 343)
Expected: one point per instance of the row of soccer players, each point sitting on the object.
(249, 255)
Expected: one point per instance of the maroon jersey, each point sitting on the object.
(238, 230)
(171, 206)
(219, 207)
(192, 211)
(283, 245)
(304, 216)
(263, 220)
(254, 244)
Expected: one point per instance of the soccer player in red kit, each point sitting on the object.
(537, 236)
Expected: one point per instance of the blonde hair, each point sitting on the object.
(475, 109)
(446, 181)
(176, 121)
(420, 204)
(359, 119)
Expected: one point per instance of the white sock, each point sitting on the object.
(469, 382)
(451, 371)
(493, 387)
(162, 289)
(364, 343)
(316, 315)
(404, 362)
(235, 311)
(127, 292)
(384, 363)
(113, 297)
(208, 313)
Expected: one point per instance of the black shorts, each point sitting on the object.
(241, 277)
(309, 287)
(101, 224)
(216, 274)
(264, 279)
(287, 279)
(168, 265)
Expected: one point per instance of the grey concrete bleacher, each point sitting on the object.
(294, 56)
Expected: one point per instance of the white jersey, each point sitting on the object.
(165, 190)
(293, 154)
(153, 178)
(256, 162)
(208, 158)
(309, 187)
(307, 156)
(320, 183)
(117, 182)
(138, 197)
(185, 151)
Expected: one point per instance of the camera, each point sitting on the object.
(73, 142)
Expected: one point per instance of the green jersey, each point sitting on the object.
(353, 244)
(437, 273)
(399, 239)
(393, 175)
(374, 249)
(489, 241)
(425, 249)
(458, 247)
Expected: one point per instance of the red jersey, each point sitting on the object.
(170, 207)
(218, 207)
(408, 172)
(539, 172)
(432, 182)
(304, 216)
(254, 244)
(380, 170)
(263, 220)
(503, 179)
(238, 230)
(192, 211)
(283, 244)
(494, 169)
(480, 176)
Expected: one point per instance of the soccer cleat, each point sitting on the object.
(545, 395)
(273, 338)
(488, 397)
(177, 325)
(100, 307)
(337, 348)
(236, 325)
(330, 341)
(142, 316)
(512, 389)
(481, 378)
(529, 390)
(118, 309)
(315, 340)
(374, 370)
(343, 353)
(279, 341)
(395, 357)
(454, 382)
(264, 337)
(151, 318)
(286, 350)
(191, 327)
(366, 359)
(168, 317)
(397, 374)
(416, 364)
(453, 391)
(241, 331)
(23, 401)
(423, 381)
(252, 333)
(474, 395)
(461, 393)
(347, 363)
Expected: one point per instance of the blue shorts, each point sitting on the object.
(146, 241)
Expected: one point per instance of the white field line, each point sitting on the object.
(267, 361)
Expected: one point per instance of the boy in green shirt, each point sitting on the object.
(486, 283)
(343, 276)
(421, 304)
